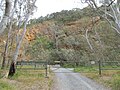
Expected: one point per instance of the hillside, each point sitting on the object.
(69, 37)
(77, 33)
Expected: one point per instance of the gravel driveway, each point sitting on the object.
(67, 80)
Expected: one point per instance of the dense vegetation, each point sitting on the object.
(63, 36)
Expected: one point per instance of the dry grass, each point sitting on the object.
(110, 78)
(28, 80)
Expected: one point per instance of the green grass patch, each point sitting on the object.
(109, 78)
(28, 75)
(6, 86)
(116, 82)
(1, 73)
(30, 67)
(70, 65)
(27, 79)
(111, 67)
(85, 69)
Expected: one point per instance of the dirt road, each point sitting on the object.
(67, 80)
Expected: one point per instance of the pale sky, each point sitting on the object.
(49, 6)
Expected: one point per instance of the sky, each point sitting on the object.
(49, 6)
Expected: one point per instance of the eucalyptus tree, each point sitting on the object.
(9, 20)
(111, 10)
(26, 8)
(15, 13)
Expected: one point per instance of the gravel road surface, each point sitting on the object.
(66, 79)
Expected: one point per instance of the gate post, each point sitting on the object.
(46, 74)
(99, 67)
(49, 66)
(74, 65)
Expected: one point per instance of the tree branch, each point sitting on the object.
(111, 3)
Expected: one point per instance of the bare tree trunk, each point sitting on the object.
(8, 37)
(4, 20)
(86, 36)
(10, 51)
(6, 47)
(4, 54)
(13, 63)
(29, 8)
(12, 69)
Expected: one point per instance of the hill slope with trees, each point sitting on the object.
(73, 35)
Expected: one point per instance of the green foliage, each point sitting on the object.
(39, 49)
(65, 15)
(54, 55)
(43, 42)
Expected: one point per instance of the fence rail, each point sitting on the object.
(32, 63)
(104, 65)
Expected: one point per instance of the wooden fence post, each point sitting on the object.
(46, 69)
(99, 67)
(35, 65)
